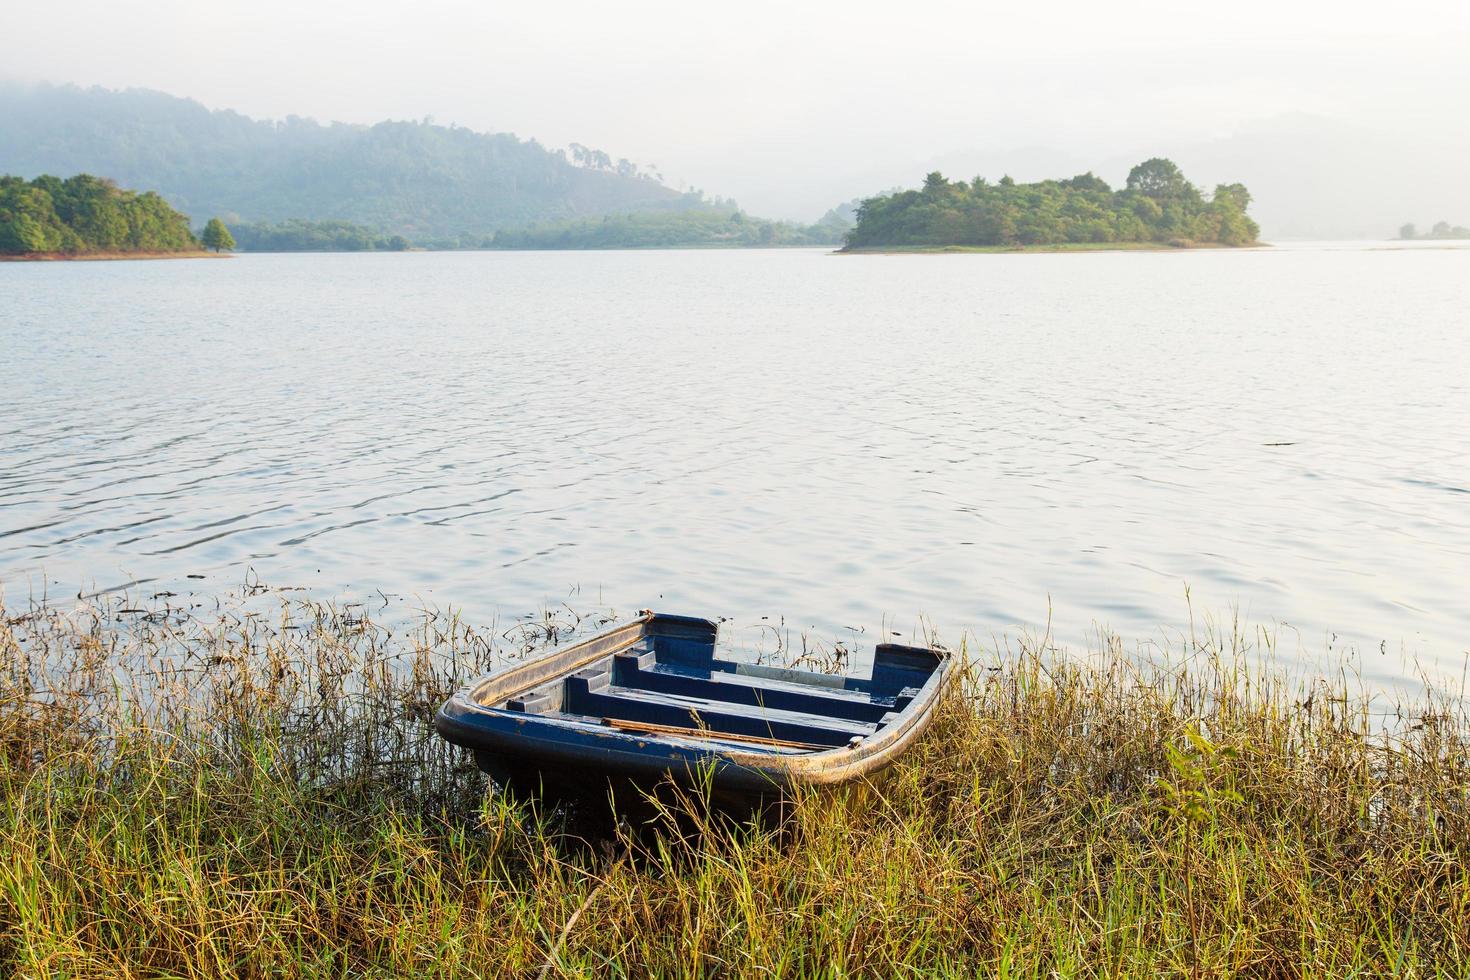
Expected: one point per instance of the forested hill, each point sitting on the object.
(424, 181)
(1158, 206)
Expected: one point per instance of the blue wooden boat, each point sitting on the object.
(650, 701)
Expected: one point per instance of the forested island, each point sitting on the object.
(1157, 208)
(88, 217)
(705, 227)
(1442, 231)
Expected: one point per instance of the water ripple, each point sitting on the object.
(986, 442)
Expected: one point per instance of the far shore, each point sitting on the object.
(109, 256)
(1061, 247)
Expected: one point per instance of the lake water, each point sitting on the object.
(849, 442)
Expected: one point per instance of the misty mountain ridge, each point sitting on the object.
(418, 179)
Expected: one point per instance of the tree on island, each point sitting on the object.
(1158, 178)
(217, 236)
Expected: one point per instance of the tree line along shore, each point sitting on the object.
(1442, 231)
(89, 217)
(86, 217)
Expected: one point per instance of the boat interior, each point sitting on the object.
(670, 684)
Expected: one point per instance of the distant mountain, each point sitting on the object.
(1319, 178)
(424, 181)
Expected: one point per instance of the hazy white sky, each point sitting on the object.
(788, 107)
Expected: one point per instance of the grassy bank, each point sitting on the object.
(261, 796)
(1059, 247)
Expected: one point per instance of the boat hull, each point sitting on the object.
(649, 705)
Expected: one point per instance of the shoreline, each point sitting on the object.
(1066, 247)
(110, 256)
